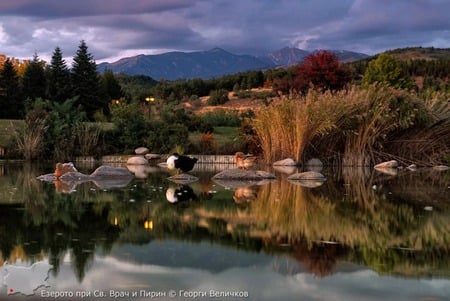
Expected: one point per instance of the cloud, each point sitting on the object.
(252, 26)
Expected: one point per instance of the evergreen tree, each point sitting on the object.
(33, 80)
(11, 100)
(111, 86)
(86, 83)
(59, 83)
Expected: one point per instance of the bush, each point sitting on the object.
(130, 128)
(221, 117)
(163, 137)
(218, 97)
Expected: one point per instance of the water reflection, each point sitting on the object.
(356, 220)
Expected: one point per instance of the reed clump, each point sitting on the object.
(360, 125)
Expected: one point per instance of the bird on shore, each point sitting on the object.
(63, 168)
(180, 162)
(244, 161)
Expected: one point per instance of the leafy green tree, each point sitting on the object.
(59, 81)
(386, 69)
(34, 80)
(11, 100)
(129, 126)
(86, 83)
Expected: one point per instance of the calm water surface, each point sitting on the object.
(359, 236)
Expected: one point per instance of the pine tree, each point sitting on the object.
(11, 101)
(86, 83)
(33, 80)
(59, 81)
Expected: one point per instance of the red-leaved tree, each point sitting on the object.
(321, 70)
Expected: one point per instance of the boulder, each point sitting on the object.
(285, 162)
(243, 174)
(412, 167)
(387, 164)
(141, 150)
(110, 172)
(441, 167)
(137, 160)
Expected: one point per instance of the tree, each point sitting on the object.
(386, 69)
(33, 80)
(59, 82)
(11, 100)
(111, 86)
(86, 83)
(323, 70)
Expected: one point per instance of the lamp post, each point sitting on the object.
(150, 100)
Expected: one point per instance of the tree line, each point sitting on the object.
(56, 82)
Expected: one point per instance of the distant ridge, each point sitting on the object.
(211, 63)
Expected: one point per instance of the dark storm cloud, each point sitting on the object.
(62, 8)
(118, 28)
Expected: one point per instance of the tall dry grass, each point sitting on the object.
(359, 124)
(286, 128)
(30, 139)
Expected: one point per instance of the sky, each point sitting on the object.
(113, 29)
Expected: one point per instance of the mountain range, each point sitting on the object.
(211, 63)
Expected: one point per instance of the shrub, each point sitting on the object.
(164, 137)
(218, 97)
(221, 117)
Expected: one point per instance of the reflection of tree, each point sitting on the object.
(319, 259)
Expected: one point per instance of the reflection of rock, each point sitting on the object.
(242, 174)
(309, 179)
(152, 156)
(183, 178)
(137, 160)
(314, 164)
(182, 193)
(109, 183)
(245, 194)
(141, 171)
(441, 167)
(285, 169)
(285, 162)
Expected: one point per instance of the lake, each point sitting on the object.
(361, 235)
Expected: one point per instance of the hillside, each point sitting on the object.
(209, 64)
(415, 53)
